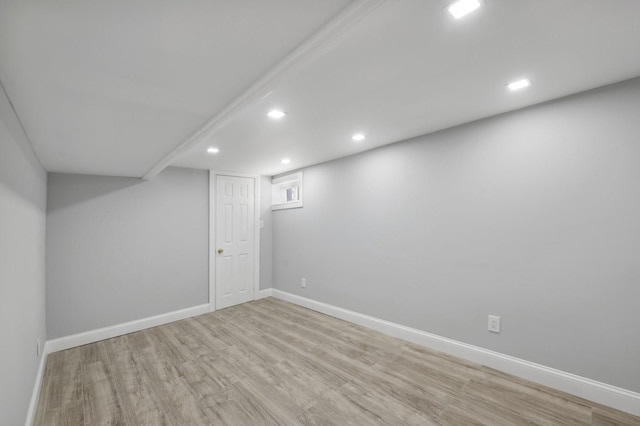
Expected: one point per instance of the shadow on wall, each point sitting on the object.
(87, 188)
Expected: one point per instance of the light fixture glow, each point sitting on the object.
(213, 150)
(358, 137)
(462, 7)
(285, 161)
(276, 114)
(520, 84)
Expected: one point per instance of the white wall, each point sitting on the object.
(121, 249)
(22, 266)
(533, 215)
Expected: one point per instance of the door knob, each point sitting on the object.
(220, 251)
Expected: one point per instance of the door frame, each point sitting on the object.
(213, 175)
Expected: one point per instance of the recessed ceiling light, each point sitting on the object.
(285, 161)
(276, 113)
(358, 137)
(213, 150)
(520, 84)
(461, 7)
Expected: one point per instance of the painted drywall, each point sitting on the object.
(122, 249)
(531, 215)
(266, 233)
(23, 184)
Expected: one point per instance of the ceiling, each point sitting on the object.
(128, 87)
(111, 87)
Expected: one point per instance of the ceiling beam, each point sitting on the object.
(322, 40)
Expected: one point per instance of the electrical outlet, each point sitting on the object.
(494, 323)
(38, 347)
(303, 283)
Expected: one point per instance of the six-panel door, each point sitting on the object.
(234, 251)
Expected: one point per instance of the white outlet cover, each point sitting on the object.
(494, 323)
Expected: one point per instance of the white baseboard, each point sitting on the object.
(87, 337)
(583, 387)
(93, 336)
(35, 395)
(263, 293)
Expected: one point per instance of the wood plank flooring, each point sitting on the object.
(273, 363)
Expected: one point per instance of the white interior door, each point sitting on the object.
(235, 240)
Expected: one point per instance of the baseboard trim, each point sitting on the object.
(263, 293)
(93, 336)
(35, 395)
(601, 393)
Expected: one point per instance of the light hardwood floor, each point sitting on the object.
(271, 362)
